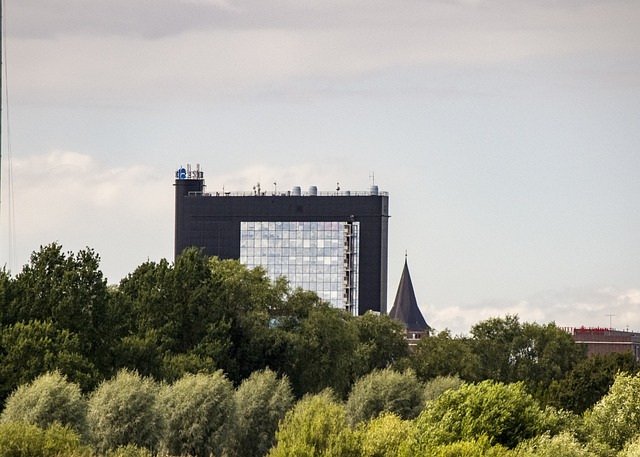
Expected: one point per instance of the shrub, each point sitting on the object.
(546, 446)
(123, 411)
(383, 436)
(316, 426)
(505, 414)
(437, 386)
(385, 391)
(632, 449)
(467, 448)
(129, 451)
(261, 402)
(615, 419)
(196, 410)
(18, 439)
(49, 398)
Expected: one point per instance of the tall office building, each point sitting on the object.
(334, 243)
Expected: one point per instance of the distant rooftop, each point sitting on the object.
(250, 193)
(190, 173)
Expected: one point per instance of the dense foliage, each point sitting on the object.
(197, 411)
(124, 410)
(205, 356)
(49, 399)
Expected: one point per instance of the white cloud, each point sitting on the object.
(125, 214)
(567, 308)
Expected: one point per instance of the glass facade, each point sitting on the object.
(318, 256)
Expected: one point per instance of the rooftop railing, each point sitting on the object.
(290, 194)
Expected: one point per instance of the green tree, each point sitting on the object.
(6, 286)
(383, 436)
(197, 411)
(544, 353)
(174, 302)
(589, 381)
(632, 449)
(141, 353)
(315, 427)
(261, 402)
(68, 290)
(49, 399)
(205, 308)
(480, 447)
(545, 445)
(493, 344)
(28, 350)
(176, 366)
(381, 342)
(124, 410)
(444, 355)
(385, 391)
(535, 354)
(253, 304)
(129, 451)
(18, 439)
(615, 419)
(505, 414)
(322, 351)
(437, 386)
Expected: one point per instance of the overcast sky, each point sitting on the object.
(507, 134)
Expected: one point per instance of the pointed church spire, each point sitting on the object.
(405, 306)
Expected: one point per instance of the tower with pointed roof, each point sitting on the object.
(405, 309)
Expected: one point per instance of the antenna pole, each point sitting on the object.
(610, 316)
(1, 90)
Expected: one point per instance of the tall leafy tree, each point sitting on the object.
(381, 343)
(68, 290)
(249, 301)
(535, 354)
(173, 312)
(444, 355)
(493, 344)
(589, 381)
(28, 350)
(322, 354)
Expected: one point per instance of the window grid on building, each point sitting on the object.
(318, 256)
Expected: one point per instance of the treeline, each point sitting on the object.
(167, 322)
(386, 414)
(197, 315)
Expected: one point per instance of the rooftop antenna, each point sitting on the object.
(4, 87)
(372, 177)
(1, 67)
(275, 187)
(610, 316)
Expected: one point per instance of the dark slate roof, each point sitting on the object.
(405, 307)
